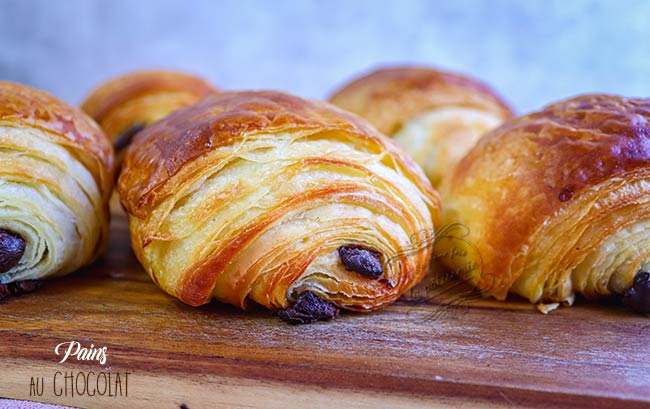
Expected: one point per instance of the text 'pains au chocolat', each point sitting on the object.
(124, 105)
(249, 196)
(56, 175)
(436, 116)
(556, 202)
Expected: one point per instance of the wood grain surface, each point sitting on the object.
(442, 347)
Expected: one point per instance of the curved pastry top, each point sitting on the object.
(389, 96)
(127, 104)
(567, 146)
(226, 119)
(56, 177)
(21, 105)
(119, 90)
(574, 164)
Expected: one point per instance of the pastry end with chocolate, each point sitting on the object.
(12, 248)
(638, 296)
(361, 261)
(308, 308)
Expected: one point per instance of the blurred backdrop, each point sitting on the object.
(532, 52)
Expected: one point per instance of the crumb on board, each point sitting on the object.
(546, 308)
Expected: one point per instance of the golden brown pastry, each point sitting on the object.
(125, 105)
(436, 116)
(268, 198)
(556, 203)
(56, 174)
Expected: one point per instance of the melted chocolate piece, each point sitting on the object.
(126, 136)
(19, 287)
(361, 261)
(12, 247)
(566, 193)
(638, 297)
(308, 308)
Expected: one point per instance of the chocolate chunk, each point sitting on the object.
(12, 247)
(638, 297)
(566, 193)
(308, 308)
(19, 287)
(362, 261)
(126, 136)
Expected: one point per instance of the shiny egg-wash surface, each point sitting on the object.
(263, 197)
(557, 203)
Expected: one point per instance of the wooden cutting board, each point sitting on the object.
(443, 347)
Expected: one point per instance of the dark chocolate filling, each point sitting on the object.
(308, 308)
(12, 248)
(566, 193)
(638, 296)
(19, 287)
(359, 260)
(126, 136)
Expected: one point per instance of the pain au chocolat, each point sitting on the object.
(264, 197)
(436, 116)
(56, 174)
(125, 105)
(556, 203)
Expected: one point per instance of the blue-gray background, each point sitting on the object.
(532, 52)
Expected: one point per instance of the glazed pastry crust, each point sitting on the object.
(22, 106)
(247, 196)
(435, 116)
(55, 180)
(555, 202)
(388, 97)
(142, 98)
